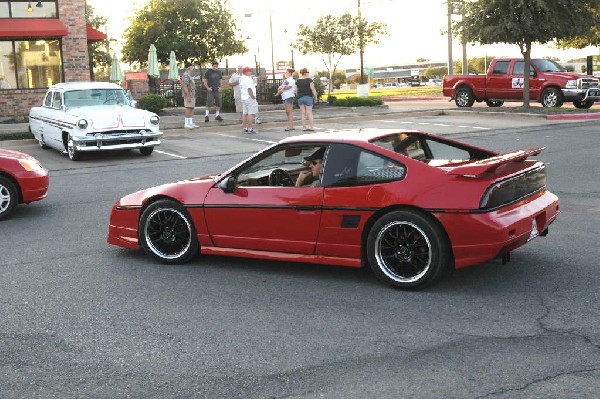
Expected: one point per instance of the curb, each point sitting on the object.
(574, 117)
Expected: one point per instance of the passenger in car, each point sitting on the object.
(311, 177)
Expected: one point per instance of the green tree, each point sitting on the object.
(97, 51)
(435, 72)
(333, 37)
(524, 22)
(197, 30)
(338, 78)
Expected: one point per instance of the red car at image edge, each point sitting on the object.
(410, 205)
(23, 179)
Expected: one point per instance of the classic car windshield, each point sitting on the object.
(91, 97)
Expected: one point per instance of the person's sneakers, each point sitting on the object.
(251, 131)
(219, 118)
(206, 118)
(245, 130)
(189, 126)
(193, 125)
(257, 120)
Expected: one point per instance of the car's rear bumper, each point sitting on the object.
(480, 237)
(116, 141)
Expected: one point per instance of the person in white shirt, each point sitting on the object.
(249, 103)
(288, 93)
(234, 80)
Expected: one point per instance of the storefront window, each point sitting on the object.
(39, 63)
(4, 10)
(20, 9)
(8, 79)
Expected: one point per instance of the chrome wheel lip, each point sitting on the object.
(4, 198)
(383, 265)
(151, 244)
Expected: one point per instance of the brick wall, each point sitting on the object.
(75, 60)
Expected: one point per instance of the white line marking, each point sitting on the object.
(482, 128)
(172, 155)
(441, 124)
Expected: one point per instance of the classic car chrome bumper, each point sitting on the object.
(116, 141)
(582, 94)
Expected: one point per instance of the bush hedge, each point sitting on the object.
(228, 100)
(152, 102)
(354, 101)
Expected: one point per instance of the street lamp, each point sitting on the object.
(456, 7)
(285, 31)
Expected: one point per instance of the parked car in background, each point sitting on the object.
(408, 204)
(435, 82)
(80, 117)
(23, 179)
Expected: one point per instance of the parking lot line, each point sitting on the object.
(169, 154)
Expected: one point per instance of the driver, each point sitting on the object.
(311, 177)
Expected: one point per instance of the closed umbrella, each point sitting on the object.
(115, 70)
(152, 62)
(173, 70)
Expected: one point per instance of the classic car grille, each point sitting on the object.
(134, 131)
(125, 141)
(587, 83)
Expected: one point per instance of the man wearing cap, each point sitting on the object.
(188, 86)
(212, 82)
(311, 177)
(249, 103)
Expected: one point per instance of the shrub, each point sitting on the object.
(228, 100)
(356, 101)
(319, 87)
(152, 102)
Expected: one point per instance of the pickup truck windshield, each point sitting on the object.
(548, 66)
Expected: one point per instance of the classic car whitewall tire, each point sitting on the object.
(74, 155)
(408, 250)
(8, 197)
(167, 233)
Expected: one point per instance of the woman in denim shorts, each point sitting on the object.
(307, 95)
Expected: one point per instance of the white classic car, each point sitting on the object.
(80, 117)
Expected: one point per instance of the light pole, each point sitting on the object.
(361, 44)
(450, 61)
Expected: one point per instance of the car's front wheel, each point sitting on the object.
(146, 150)
(167, 232)
(74, 155)
(408, 250)
(494, 103)
(583, 104)
(552, 97)
(8, 197)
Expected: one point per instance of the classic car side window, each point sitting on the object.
(57, 100)
(349, 165)
(501, 67)
(48, 99)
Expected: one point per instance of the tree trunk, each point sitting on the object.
(526, 74)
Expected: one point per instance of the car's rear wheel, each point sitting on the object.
(146, 150)
(583, 104)
(167, 232)
(407, 249)
(9, 197)
(464, 97)
(494, 103)
(74, 155)
(552, 97)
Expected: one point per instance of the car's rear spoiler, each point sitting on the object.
(476, 168)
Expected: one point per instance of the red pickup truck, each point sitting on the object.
(549, 84)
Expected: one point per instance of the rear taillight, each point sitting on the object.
(514, 189)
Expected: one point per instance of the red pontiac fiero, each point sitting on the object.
(410, 205)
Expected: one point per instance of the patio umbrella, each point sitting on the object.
(173, 70)
(115, 70)
(152, 62)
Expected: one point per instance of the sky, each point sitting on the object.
(415, 30)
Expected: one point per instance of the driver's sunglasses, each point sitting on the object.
(313, 163)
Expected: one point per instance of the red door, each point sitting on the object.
(279, 219)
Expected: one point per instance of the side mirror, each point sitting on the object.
(227, 184)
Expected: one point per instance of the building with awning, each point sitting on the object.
(41, 43)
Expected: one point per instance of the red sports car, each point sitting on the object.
(22, 180)
(410, 205)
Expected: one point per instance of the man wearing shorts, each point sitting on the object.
(212, 82)
(188, 86)
(249, 103)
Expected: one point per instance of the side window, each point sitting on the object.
(48, 99)
(443, 151)
(520, 67)
(348, 165)
(501, 67)
(57, 100)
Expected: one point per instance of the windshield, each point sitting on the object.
(91, 97)
(548, 66)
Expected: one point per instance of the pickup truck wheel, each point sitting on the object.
(464, 97)
(552, 97)
(583, 104)
(494, 103)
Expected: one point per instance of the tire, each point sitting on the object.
(408, 250)
(583, 104)
(73, 154)
(167, 233)
(9, 197)
(146, 150)
(494, 103)
(464, 97)
(552, 97)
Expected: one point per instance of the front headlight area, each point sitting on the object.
(154, 119)
(31, 165)
(571, 84)
(82, 124)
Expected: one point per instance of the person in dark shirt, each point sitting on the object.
(212, 82)
(307, 95)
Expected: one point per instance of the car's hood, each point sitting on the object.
(16, 155)
(104, 117)
(188, 192)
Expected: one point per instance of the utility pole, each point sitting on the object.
(450, 62)
(361, 44)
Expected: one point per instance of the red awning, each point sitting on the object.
(31, 27)
(94, 35)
